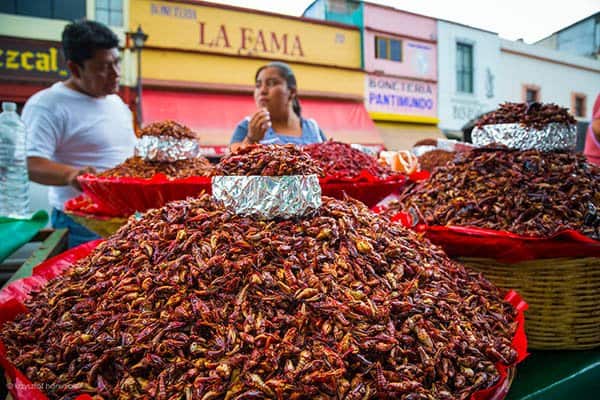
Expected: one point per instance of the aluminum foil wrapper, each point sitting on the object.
(554, 136)
(446, 144)
(364, 149)
(420, 150)
(166, 149)
(267, 197)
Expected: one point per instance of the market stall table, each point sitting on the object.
(16, 231)
(550, 375)
(52, 242)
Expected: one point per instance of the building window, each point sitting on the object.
(388, 49)
(578, 108)
(464, 68)
(110, 12)
(54, 9)
(531, 93)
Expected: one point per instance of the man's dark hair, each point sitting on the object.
(80, 39)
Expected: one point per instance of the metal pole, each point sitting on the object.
(139, 87)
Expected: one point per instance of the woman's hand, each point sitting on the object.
(259, 123)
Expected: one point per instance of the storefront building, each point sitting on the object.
(31, 58)
(199, 63)
(535, 73)
(27, 66)
(581, 38)
(399, 51)
(468, 65)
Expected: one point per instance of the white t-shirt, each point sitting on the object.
(72, 128)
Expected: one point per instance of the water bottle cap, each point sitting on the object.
(9, 106)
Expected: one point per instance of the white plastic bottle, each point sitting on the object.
(14, 181)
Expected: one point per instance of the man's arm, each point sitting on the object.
(48, 172)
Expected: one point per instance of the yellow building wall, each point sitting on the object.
(242, 33)
(219, 46)
(213, 69)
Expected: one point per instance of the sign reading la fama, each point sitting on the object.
(205, 27)
(248, 40)
(244, 39)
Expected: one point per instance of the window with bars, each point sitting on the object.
(388, 49)
(54, 9)
(578, 105)
(110, 12)
(532, 95)
(464, 68)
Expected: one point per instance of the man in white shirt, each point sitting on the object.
(79, 125)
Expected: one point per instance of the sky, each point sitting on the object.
(530, 20)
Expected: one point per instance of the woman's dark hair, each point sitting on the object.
(80, 39)
(290, 79)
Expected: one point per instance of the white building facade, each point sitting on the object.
(479, 70)
(468, 68)
(530, 72)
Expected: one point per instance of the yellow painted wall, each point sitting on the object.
(204, 28)
(214, 69)
(419, 119)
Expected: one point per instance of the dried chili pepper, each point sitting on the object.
(268, 160)
(529, 192)
(535, 115)
(435, 158)
(168, 128)
(195, 302)
(138, 167)
(338, 159)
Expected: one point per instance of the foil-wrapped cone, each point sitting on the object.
(554, 136)
(267, 197)
(166, 149)
(364, 149)
(420, 150)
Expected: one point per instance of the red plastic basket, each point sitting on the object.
(84, 205)
(89, 214)
(123, 196)
(503, 246)
(365, 187)
(13, 296)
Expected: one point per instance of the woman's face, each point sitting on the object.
(272, 92)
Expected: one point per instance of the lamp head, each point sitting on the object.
(139, 38)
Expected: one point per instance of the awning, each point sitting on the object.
(215, 115)
(345, 121)
(402, 136)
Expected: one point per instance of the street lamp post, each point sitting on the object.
(139, 38)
